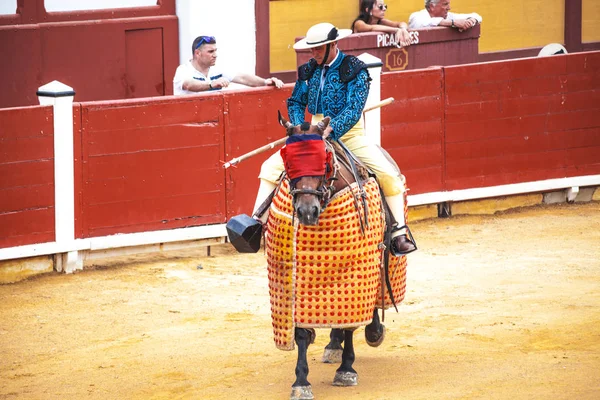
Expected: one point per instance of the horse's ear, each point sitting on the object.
(326, 121)
(282, 121)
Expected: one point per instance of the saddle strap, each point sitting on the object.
(361, 191)
(387, 240)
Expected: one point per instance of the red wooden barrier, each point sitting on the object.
(26, 176)
(156, 164)
(250, 122)
(152, 164)
(412, 126)
(520, 121)
(103, 54)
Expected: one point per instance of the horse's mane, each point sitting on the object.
(363, 172)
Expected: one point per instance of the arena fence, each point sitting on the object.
(86, 178)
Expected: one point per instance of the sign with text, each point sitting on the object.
(396, 59)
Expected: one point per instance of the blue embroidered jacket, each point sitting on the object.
(342, 98)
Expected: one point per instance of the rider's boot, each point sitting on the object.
(401, 243)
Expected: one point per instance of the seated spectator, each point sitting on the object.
(437, 13)
(372, 19)
(199, 74)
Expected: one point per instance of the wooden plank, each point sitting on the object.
(156, 214)
(580, 119)
(423, 180)
(468, 130)
(411, 134)
(153, 163)
(504, 108)
(510, 163)
(26, 149)
(583, 63)
(138, 114)
(152, 138)
(583, 82)
(26, 173)
(27, 122)
(27, 227)
(412, 85)
(26, 197)
(166, 184)
(417, 156)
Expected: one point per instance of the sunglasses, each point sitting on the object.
(205, 39)
(382, 7)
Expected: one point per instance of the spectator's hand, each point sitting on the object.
(403, 37)
(274, 82)
(220, 83)
(464, 24)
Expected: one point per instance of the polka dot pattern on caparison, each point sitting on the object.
(336, 281)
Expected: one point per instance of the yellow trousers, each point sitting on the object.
(362, 147)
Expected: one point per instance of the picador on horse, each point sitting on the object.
(326, 220)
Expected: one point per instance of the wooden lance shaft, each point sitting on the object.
(281, 141)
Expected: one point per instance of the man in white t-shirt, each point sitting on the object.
(200, 75)
(437, 13)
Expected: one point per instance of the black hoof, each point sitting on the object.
(375, 337)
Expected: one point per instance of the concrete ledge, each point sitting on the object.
(418, 213)
(490, 206)
(12, 271)
(585, 195)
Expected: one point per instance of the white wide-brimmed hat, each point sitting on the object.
(552, 49)
(320, 34)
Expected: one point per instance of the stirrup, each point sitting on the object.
(410, 238)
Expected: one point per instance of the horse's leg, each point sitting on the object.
(301, 389)
(375, 331)
(345, 374)
(333, 351)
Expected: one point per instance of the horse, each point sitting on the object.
(320, 278)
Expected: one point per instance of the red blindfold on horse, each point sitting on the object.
(305, 155)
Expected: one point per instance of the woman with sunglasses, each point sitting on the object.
(372, 19)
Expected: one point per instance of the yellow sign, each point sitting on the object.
(396, 59)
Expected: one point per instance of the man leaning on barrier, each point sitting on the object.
(200, 74)
(437, 13)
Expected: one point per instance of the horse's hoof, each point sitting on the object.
(345, 379)
(332, 356)
(376, 338)
(302, 393)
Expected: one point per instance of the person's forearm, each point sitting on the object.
(196, 86)
(249, 80)
(449, 22)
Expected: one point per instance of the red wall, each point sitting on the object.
(26, 176)
(151, 164)
(412, 127)
(251, 121)
(156, 163)
(103, 54)
(525, 120)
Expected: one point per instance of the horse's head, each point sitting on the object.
(306, 160)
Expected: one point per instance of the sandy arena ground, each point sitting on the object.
(498, 307)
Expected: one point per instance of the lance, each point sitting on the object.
(281, 141)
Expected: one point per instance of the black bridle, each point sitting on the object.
(325, 188)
